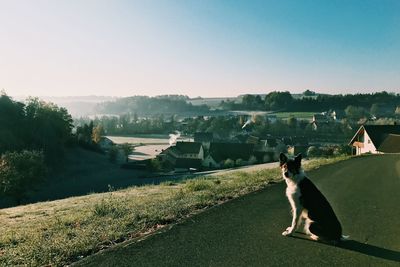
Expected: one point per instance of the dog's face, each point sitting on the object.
(290, 167)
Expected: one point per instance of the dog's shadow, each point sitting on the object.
(359, 247)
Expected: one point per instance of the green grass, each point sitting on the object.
(60, 232)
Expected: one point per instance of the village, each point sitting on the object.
(210, 151)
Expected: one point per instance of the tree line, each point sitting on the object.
(145, 105)
(311, 102)
(32, 140)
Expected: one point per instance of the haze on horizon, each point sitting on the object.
(198, 48)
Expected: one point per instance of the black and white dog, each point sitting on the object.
(308, 204)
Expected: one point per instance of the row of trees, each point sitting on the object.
(35, 125)
(377, 102)
(32, 140)
(144, 105)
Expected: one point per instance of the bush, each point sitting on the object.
(154, 165)
(239, 162)
(252, 160)
(20, 172)
(313, 152)
(267, 157)
(229, 163)
(112, 154)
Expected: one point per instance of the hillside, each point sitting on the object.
(63, 231)
(81, 172)
(247, 231)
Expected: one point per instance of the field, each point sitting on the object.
(297, 115)
(147, 151)
(143, 139)
(60, 232)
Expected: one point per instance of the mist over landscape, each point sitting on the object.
(179, 133)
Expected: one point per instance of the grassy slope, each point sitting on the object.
(64, 231)
(83, 172)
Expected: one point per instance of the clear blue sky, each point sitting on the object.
(203, 47)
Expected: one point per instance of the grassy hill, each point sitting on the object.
(82, 172)
(64, 231)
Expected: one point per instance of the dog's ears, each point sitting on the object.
(298, 158)
(282, 158)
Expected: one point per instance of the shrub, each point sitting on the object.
(252, 160)
(20, 172)
(313, 152)
(267, 157)
(154, 165)
(229, 163)
(112, 154)
(239, 162)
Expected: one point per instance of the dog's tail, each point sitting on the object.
(344, 238)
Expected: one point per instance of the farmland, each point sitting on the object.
(297, 115)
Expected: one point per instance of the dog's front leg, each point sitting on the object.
(295, 219)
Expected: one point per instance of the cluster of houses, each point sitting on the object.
(326, 117)
(206, 153)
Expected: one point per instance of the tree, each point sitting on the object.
(355, 113)
(20, 172)
(113, 154)
(97, 133)
(292, 122)
(239, 162)
(49, 128)
(229, 163)
(13, 129)
(154, 165)
(313, 151)
(278, 100)
(126, 149)
(308, 93)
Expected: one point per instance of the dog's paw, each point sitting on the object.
(288, 231)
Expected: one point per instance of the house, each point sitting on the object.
(183, 155)
(270, 142)
(219, 152)
(319, 119)
(376, 139)
(204, 138)
(190, 150)
(337, 115)
(267, 144)
(246, 138)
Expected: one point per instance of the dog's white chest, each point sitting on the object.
(291, 188)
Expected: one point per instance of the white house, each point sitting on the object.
(376, 139)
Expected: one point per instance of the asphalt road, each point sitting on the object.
(364, 192)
